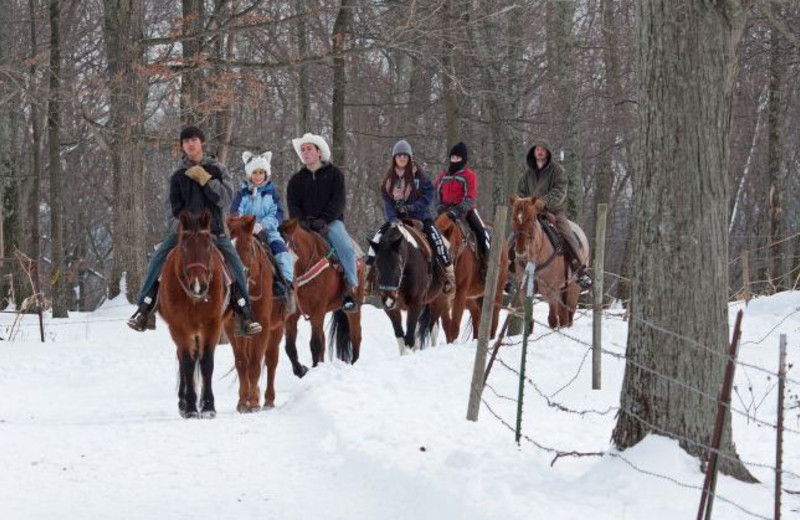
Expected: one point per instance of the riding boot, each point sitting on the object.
(145, 317)
(349, 302)
(245, 325)
(283, 290)
(583, 279)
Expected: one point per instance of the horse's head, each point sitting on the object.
(196, 249)
(390, 260)
(241, 228)
(523, 220)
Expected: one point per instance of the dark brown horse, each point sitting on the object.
(250, 353)
(406, 282)
(469, 281)
(553, 278)
(319, 289)
(192, 299)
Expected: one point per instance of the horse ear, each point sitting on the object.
(249, 222)
(373, 244)
(185, 220)
(512, 200)
(287, 227)
(205, 219)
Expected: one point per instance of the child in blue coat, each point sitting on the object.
(260, 197)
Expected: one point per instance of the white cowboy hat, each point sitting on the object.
(254, 162)
(317, 141)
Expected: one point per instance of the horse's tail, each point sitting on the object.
(339, 336)
(425, 327)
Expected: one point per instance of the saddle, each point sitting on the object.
(552, 234)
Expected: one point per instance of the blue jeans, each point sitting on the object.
(343, 245)
(170, 241)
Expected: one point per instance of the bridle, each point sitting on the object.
(204, 266)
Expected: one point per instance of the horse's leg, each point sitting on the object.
(271, 360)
(412, 317)
(456, 313)
(258, 348)
(397, 325)
(291, 346)
(187, 364)
(240, 361)
(475, 307)
(317, 339)
(207, 370)
(355, 333)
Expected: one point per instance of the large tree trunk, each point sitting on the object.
(123, 32)
(451, 113)
(303, 76)
(222, 46)
(339, 138)
(58, 281)
(33, 192)
(191, 88)
(680, 236)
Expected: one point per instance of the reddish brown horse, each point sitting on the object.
(319, 289)
(469, 281)
(553, 278)
(192, 299)
(250, 353)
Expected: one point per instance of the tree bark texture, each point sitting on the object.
(680, 234)
(339, 138)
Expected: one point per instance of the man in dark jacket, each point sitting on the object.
(316, 197)
(200, 183)
(547, 180)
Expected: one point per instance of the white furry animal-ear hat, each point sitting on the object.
(254, 162)
(317, 141)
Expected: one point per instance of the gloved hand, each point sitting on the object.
(401, 208)
(551, 218)
(317, 224)
(539, 205)
(257, 228)
(199, 175)
(462, 209)
(452, 213)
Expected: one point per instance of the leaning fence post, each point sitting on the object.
(779, 442)
(487, 310)
(530, 273)
(599, 272)
(723, 403)
(746, 275)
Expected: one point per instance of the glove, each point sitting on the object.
(452, 213)
(462, 209)
(401, 208)
(317, 224)
(257, 228)
(539, 205)
(551, 218)
(199, 175)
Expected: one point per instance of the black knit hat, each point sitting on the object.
(460, 150)
(192, 131)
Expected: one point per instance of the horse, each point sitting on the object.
(251, 352)
(553, 278)
(469, 280)
(406, 282)
(319, 288)
(192, 300)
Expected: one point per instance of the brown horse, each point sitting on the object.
(192, 299)
(251, 352)
(554, 281)
(469, 282)
(319, 289)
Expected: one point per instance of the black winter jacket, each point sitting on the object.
(319, 194)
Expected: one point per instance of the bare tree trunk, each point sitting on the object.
(774, 152)
(222, 46)
(339, 138)
(451, 113)
(303, 76)
(191, 97)
(58, 282)
(34, 194)
(123, 23)
(680, 236)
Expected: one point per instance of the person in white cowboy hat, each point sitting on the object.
(260, 197)
(316, 197)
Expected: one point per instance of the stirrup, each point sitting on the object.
(349, 303)
(142, 321)
(243, 328)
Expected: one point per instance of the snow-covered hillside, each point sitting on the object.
(89, 428)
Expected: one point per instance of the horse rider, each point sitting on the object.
(547, 180)
(259, 196)
(457, 190)
(316, 197)
(199, 183)
(408, 193)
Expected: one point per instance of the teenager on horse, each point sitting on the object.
(199, 183)
(260, 197)
(457, 189)
(547, 180)
(316, 197)
(408, 193)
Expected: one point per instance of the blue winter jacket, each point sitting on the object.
(264, 202)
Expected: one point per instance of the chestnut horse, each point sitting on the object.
(554, 281)
(192, 300)
(251, 352)
(319, 289)
(406, 281)
(469, 282)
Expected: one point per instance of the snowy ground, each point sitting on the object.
(89, 427)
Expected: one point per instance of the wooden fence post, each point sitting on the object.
(485, 328)
(779, 434)
(599, 274)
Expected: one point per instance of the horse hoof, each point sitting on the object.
(268, 406)
(300, 371)
(189, 415)
(241, 408)
(208, 414)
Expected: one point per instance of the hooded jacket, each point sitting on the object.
(215, 196)
(319, 194)
(264, 202)
(418, 202)
(550, 183)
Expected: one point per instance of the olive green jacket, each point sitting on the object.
(550, 184)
